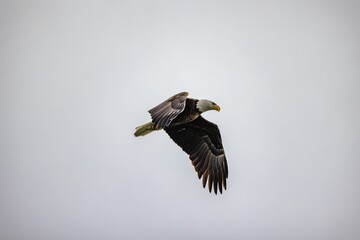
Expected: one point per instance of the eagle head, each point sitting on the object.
(205, 105)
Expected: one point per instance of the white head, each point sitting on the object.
(205, 105)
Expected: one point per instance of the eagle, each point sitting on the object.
(181, 119)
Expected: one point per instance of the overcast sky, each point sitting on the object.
(76, 78)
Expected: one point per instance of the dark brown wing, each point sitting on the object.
(165, 112)
(202, 141)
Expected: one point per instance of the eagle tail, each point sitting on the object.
(145, 129)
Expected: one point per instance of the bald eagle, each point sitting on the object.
(181, 119)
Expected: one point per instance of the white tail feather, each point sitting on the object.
(145, 129)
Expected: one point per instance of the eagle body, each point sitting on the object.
(181, 119)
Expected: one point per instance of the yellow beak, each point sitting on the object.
(216, 107)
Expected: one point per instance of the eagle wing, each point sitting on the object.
(201, 139)
(165, 112)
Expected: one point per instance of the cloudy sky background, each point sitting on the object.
(76, 78)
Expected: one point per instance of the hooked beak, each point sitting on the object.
(216, 107)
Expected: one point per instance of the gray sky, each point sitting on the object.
(76, 78)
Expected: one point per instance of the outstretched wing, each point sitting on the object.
(202, 141)
(165, 112)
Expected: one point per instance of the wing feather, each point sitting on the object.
(201, 139)
(165, 112)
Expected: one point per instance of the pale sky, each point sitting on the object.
(77, 77)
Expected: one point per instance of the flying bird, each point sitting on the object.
(181, 119)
